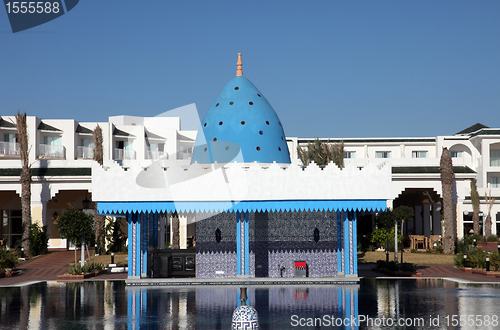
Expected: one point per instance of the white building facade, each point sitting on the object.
(61, 153)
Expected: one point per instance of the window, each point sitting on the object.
(349, 154)
(52, 140)
(88, 143)
(494, 157)
(498, 223)
(456, 154)
(9, 138)
(419, 154)
(382, 154)
(495, 182)
(12, 226)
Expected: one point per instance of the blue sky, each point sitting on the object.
(334, 69)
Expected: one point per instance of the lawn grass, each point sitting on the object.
(105, 259)
(419, 258)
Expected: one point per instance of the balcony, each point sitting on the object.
(156, 155)
(85, 152)
(51, 151)
(9, 149)
(120, 154)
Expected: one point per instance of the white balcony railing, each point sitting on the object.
(119, 154)
(50, 151)
(156, 155)
(85, 152)
(9, 149)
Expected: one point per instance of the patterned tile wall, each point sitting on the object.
(276, 238)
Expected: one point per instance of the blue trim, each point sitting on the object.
(355, 242)
(347, 267)
(339, 242)
(247, 246)
(347, 307)
(144, 243)
(130, 316)
(238, 243)
(130, 245)
(138, 247)
(243, 206)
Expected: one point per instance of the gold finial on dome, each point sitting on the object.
(239, 70)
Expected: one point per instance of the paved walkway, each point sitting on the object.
(46, 268)
(433, 271)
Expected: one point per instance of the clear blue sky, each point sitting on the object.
(329, 68)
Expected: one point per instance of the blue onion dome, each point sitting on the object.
(242, 126)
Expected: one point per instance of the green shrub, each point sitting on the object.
(492, 238)
(495, 261)
(459, 260)
(38, 239)
(8, 259)
(408, 267)
(75, 270)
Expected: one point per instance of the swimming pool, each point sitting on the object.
(373, 304)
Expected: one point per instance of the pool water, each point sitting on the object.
(373, 304)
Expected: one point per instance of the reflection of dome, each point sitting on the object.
(245, 317)
(241, 117)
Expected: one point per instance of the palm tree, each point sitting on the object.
(22, 139)
(100, 220)
(474, 197)
(175, 231)
(487, 224)
(447, 181)
(322, 153)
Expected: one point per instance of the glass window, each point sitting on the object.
(456, 154)
(498, 223)
(349, 154)
(88, 143)
(495, 182)
(419, 154)
(494, 157)
(382, 154)
(52, 140)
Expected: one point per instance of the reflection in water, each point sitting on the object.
(112, 305)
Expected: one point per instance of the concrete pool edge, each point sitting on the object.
(243, 281)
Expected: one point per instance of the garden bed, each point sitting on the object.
(69, 277)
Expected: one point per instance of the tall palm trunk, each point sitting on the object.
(100, 220)
(474, 197)
(22, 139)
(175, 231)
(447, 181)
(487, 224)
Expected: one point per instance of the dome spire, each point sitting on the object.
(239, 70)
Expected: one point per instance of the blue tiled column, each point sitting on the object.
(247, 246)
(355, 242)
(137, 237)
(130, 247)
(238, 243)
(144, 243)
(347, 269)
(339, 242)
